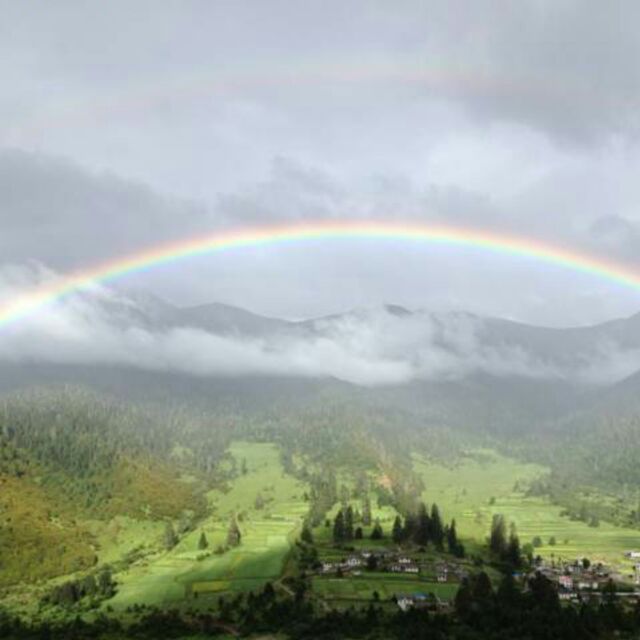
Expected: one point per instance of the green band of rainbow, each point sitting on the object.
(18, 308)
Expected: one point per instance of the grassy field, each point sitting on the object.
(478, 486)
(266, 537)
(387, 585)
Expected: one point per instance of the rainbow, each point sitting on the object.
(436, 76)
(30, 302)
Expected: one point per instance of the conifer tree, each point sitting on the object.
(397, 533)
(437, 529)
(203, 543)
(452, 537)
(366, 511)
(348, 523)
(498, 537)
(338, 527)
(170, 537)
(234, 536)
(423, 530)
(512, 553)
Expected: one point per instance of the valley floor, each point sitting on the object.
(270, 507)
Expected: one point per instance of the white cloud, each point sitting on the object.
(368, 347)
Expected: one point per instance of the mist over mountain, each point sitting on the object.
(447, 368)
(387, 345)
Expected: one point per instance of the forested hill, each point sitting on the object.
(69, 455)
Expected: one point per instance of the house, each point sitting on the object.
(404, 560)
(396, 567)
(405, 603)
(442, 576)
(327, 567)
(632, 555)
(354, 561)
(566, 582)
(415, 600)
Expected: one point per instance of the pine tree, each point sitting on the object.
(512, 553)
(410, 527)
(498, 537)
(397, 533)
(376, 532)
(437, 530)
(338, 528)
(452, 537)
(455, 546)
(423, 530)
(203, 542)
(366, 512)
(234, 535)
(348, 523)
(170, 537)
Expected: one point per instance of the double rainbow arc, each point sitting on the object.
(15, 309)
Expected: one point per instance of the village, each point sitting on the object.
(580, 580)
(388, 561)
(577, 580)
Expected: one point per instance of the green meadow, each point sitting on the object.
(267, 533)
(485, 483)
(386, 585)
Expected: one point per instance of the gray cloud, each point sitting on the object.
(512, 117)
(65, 217)
(367, 347)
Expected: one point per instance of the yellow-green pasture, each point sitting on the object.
(485, 483)
(185, 572)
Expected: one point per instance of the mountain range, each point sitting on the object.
(458, 369)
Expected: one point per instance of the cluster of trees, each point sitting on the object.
(344, 529)
(505, 547)
(424, 527)
(234, 536)
(97, 586)
(322, 496)
(85, 434)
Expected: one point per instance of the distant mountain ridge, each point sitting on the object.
(496, 373)
(558, 349)
(224, 318)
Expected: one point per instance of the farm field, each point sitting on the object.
(387, 585)
(472, 490)
(266, 538)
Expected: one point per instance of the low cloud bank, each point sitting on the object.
(369, 347)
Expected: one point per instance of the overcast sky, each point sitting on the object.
(127, 123)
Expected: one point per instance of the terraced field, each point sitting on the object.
(479, 486)
(183, 573)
